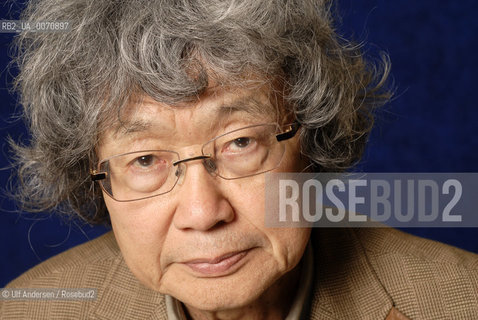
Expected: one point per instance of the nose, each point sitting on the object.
(202, 204)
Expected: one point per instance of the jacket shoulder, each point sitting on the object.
(389, 241)
(425, 279)
(72, 266)
(367, 273)
(97, 264)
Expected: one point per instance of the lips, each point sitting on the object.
(218, 266)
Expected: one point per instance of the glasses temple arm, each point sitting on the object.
(95, 176)
(293, 128)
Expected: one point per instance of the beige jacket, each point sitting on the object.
(359, 274)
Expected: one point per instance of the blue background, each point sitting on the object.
(430, 126)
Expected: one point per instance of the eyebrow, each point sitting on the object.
(130, 127)
(248, 105)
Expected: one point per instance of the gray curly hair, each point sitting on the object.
(71, 83)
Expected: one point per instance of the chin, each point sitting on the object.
(223, 299)
(217, 294)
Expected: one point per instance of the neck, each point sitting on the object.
(273, 304)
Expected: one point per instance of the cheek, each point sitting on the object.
(136, 222)
(289, 245)
(140, 233)
(247, 197)
(292, 160)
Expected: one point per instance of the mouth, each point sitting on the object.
(219, 266)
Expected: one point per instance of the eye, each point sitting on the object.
(241, 145)
(242, 142)
(148, 162)
(145, 161)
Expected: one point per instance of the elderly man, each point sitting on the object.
(160, 118)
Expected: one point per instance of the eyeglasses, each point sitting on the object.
(240, 153)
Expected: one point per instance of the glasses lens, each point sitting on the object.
(246, 151)
(139, 175)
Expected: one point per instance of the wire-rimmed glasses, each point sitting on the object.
(240, 153)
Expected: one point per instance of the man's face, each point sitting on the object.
(204, 242)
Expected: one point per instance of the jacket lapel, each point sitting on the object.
(345, 284)
(396, 315)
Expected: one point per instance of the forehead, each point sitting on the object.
(215, 110)
(212, 108)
